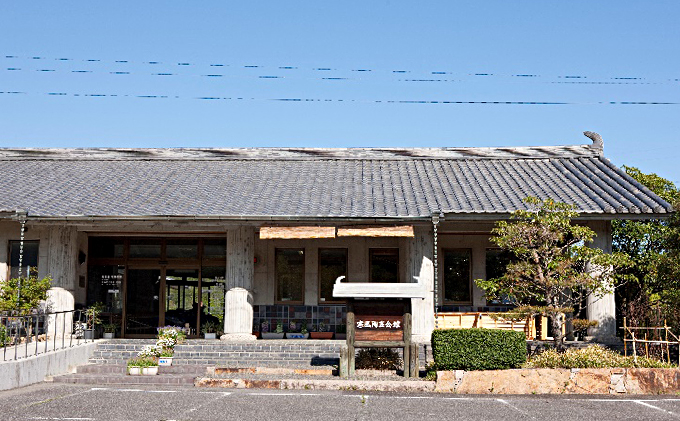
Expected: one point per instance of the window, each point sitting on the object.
(29, 264)
(496, 261)
(290, 275)
(457, 264)
(332, 263)
(105, 286)
(383, 265)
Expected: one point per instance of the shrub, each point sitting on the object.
(378, 359)
(478, 349)
(4, 339)
(594, 356)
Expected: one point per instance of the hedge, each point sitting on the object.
(478, 349)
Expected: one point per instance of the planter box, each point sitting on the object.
(150, 371)
(135, 371)
(321, 335)
(210, 335)
(109, 335)
(90, 334)
(292, 335)
(165, 361)
(272, 335)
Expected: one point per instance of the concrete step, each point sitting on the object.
(196, 370)
(161, 379)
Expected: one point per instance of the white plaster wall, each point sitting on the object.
(357, 271)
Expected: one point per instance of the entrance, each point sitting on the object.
(176, 281)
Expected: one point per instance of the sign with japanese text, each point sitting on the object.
(378, 321)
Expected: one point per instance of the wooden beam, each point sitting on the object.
(290, 233)
(376, 231)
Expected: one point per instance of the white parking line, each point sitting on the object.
(503, 401)
(284, 394)
(653, 407)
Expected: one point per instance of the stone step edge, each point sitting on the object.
(312, 384)
(276, 371)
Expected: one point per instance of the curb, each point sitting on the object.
(306, 384)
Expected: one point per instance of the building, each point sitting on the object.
(160, 236)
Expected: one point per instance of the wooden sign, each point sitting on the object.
(379, 323)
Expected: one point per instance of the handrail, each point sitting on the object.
(44, 331)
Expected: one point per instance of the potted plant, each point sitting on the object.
(110, 330)
(277, 334)
(209, 330)
(165, 356)
(297, 330)
(581, 327)
(341, 332)
(145, 366)
(174, 333)
(321, 332)
(92, 320)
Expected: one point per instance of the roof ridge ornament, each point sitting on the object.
(598, 143)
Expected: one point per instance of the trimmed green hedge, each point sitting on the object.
(478, 349)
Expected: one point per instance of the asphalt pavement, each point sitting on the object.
(51, 401)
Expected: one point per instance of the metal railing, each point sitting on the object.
(26, 335)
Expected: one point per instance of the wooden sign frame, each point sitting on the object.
(383, 316)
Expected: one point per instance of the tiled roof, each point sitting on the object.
(310, 183)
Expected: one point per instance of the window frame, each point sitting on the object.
(470, 266)
(277, 298)
(486, 273)
(371, 252)
(9, 256)
(319, 250)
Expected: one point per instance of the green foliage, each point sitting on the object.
(581, 326)
(594, 356)
(551, 261)
(378, 359)
(4, 339)
(94, 315)
(653, 245)
(478, 349)
(142, 362)
(33, 291)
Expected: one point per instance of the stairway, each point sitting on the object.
(198, 357)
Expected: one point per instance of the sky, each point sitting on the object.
(344, 74)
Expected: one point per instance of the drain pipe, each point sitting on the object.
(21, 216)
(436, 217)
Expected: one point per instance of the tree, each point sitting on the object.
(33, 291)
(653, 245)
(550, 269)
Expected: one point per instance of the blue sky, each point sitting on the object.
(344, 74)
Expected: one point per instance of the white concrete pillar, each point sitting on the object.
(59, 324)
(602, 309)
(238, 315)
(238, 301)
(420, 268)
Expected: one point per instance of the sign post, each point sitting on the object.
(380, 323)
(379, 316)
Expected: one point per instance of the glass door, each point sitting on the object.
(182, 299)
(142, 307)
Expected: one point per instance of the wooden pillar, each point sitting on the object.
(62, 266)
(420, 268)
(238, 302)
